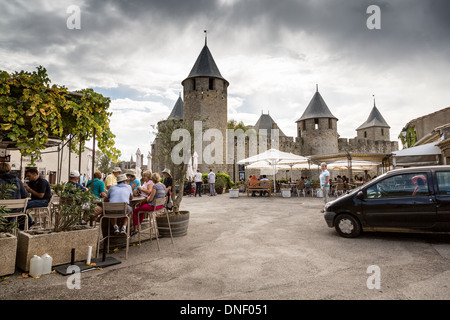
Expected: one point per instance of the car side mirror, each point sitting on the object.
(360, 195)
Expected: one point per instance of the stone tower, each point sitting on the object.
(205, 98)
(375, 128)
(317, 128)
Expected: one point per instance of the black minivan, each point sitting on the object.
(402, 200)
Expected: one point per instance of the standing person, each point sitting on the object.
(168, 184)
(325, 181)
(212, 183)
(198, 183)
(83, 180)
(111, 179)
(121, 192)
(366, 176)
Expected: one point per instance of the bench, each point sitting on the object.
(253, 186)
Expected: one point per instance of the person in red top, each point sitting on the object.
(253, 178)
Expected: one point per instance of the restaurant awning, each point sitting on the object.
(424, 155)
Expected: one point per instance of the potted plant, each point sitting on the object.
(220, 184)
(178, 219)
(8, 241)
(67, 233)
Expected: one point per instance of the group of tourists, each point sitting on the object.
(195, 185)
(123, 187)
(117, 187)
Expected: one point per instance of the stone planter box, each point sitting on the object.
(8, 248)
(286, 193)
(234, 193)
(57, 244)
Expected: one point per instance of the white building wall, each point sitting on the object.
(49, 163)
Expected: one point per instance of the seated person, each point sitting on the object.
(421, 188)
(148, 204)
(74, 178)
(98, 189)
(121, 192)
(19, 192)
(99, 186)
(132, 180)
(252, 178)
(263, 193)
(146, 187)
(39, 188)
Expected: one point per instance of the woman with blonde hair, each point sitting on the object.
(148, 204)
(147, 186)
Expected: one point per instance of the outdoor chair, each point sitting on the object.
(19, 205)
(42, 215)
(113, 211)
(161, 213)
(339, 189)
(301, 188)
(150, 217)
(314, 188)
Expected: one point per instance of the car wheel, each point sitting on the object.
(347, 226)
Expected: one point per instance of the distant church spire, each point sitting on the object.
(374, 101)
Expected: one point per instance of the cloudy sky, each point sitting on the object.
(273, 53)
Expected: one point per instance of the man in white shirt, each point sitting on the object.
(212, 183)
(198, 183)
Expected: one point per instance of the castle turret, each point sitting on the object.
(177, 111)
(317, 128)
(205, 95)
(375, 128)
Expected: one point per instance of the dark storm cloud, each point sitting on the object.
(407, 26)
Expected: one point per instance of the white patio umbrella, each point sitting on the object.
(195, 161)
(138, 164)
(355, 164)
(190, 171)
(274, 157)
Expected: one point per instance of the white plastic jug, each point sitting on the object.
(47, 262)
(36, 266)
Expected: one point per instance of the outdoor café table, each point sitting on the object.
(136, 200)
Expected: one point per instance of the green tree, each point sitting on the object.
(32, 111)
(233, 124)
(103, 163)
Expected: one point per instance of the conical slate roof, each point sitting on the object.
(205, 66)
(266, 122)
(375, 119)
(317, 108)
(177, 111)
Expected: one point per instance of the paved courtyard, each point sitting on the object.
(259, 248)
